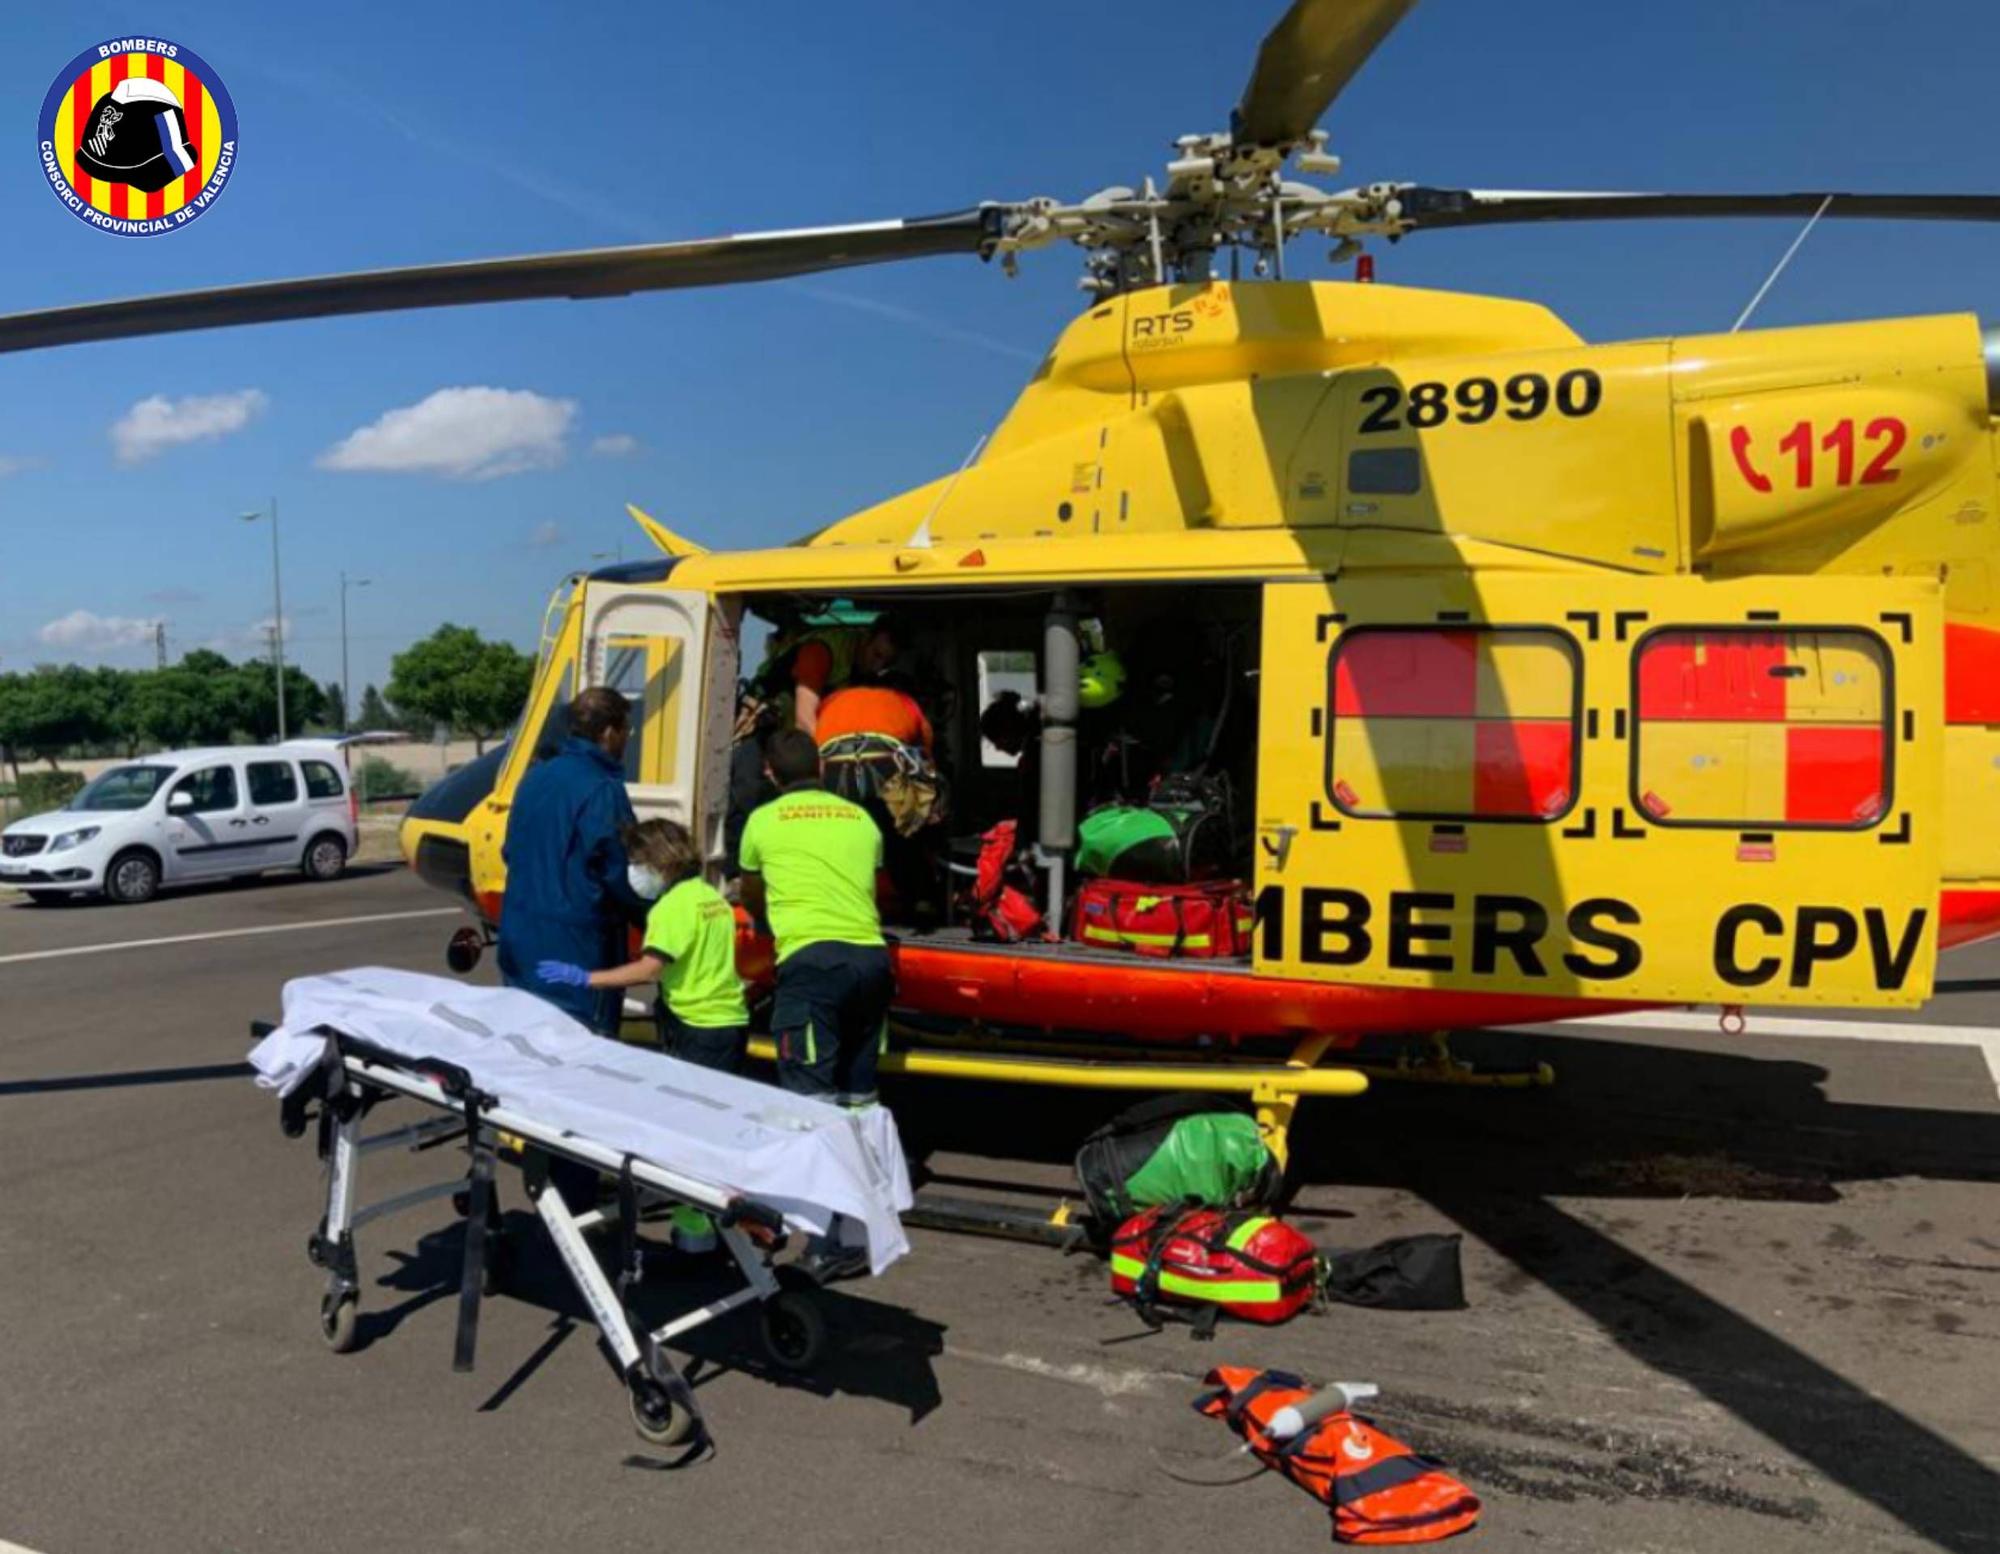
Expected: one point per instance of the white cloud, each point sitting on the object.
(249, 641)
(547, 533)
(158, 423)
(616, 445)
(80, 631)
(15, 463)
(461, 433)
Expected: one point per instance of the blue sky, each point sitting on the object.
(375, 134)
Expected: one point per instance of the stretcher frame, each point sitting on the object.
(358, 1075)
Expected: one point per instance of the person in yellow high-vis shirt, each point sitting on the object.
(690, 951)
(810, 860)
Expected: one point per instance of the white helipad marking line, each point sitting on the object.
(14, 1548)
(1985, 1040)
(222, 933)
(1107, 1381)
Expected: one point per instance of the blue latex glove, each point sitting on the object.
(560, 973)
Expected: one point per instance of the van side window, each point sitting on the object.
(1741, 726)
(322, 781)
(272, 782)
(1454, 723)
(213, 789)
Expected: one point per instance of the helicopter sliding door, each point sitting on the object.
(1650, 789)
(651, 646)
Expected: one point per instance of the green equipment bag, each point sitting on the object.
(1182, 835)
(1175, 1149)
(1124, 842)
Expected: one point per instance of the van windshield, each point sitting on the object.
(123, 787)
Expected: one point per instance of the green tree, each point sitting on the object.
(114, 690)
(13, 721)
(456, 677)
(62, 706)
(375, 713)
(178, 707)
(255, 693)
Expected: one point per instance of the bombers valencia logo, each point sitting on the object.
(138, 136)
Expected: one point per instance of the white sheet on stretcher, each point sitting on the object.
(809, 1159)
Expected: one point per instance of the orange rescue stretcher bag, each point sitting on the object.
(1212, 1262)
(1378, 1489)
(1207, 921)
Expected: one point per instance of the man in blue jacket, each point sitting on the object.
(567, 895)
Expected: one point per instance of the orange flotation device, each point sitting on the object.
(1379, 1490)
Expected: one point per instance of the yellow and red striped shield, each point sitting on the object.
(205, 136)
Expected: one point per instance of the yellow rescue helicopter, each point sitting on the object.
(1548, 677)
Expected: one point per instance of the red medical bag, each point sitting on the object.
(1241, 1262)
(1206, 921)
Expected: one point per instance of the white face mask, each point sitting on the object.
(645, 882)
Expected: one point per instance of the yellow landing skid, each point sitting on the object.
(1274, 1089)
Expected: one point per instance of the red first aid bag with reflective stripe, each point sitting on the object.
(1377, 1488)
(1241, 1262)
(1198, 922)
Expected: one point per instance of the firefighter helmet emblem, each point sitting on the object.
(138, 136)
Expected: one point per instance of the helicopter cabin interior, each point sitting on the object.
(1163, 691)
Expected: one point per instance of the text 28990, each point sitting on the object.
(1526, 396)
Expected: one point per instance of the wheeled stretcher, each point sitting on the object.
(511, 1078)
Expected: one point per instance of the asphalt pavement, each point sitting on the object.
(1725, 1292)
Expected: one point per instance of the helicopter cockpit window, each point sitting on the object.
(1454, 723)
(1754, 727)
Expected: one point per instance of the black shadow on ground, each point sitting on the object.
(281, 879)
(120, 1081)
(876, 1350)
(1626, 1120)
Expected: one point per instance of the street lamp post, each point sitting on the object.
(346, 684)
(278, 614)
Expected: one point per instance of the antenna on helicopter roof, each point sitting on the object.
(920, 538)
(1771, 279)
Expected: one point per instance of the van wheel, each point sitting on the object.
(325, 859)
(132, 878)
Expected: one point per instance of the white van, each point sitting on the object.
(190, 815)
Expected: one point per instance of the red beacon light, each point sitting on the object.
(1364, 269)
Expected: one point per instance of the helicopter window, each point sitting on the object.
(645, 671)
(1384, 472)
(999, 674)
(1454, 723)
(1754, 727)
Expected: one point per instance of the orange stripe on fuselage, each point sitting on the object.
(1971, 675)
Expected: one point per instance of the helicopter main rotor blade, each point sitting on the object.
(580, 273)
(1303, 63)
(1429, 209)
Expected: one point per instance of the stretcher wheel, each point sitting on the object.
(656, 1419)
(794, 1329)
(338, 1317)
